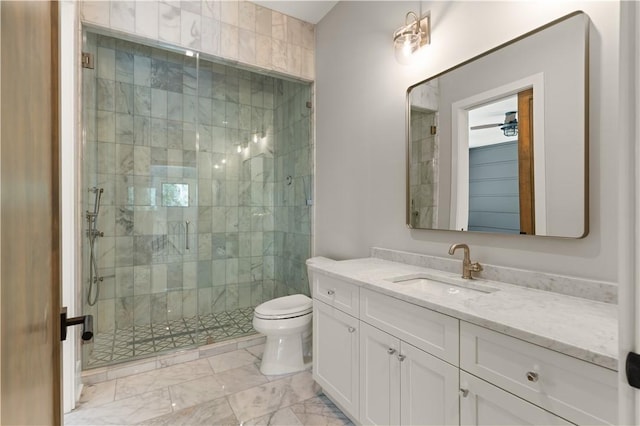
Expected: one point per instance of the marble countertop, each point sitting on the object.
(582, 328)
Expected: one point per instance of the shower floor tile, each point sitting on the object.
(145, 340)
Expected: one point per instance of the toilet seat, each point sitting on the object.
(284, 307)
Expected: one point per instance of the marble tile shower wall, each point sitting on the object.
(235, 213)
(145, 136)
(235, 30)
(149, 104)
(293, 180)
(423, 170)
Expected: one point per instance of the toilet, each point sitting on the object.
(286, 321)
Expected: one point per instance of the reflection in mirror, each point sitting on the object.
(500, 166)
(499, 143)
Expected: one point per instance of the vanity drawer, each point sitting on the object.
(337, 293)
(580, 392)
(430, 331)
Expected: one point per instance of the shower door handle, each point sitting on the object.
(85, 320)
(187, 234)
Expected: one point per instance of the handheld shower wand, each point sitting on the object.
(92, 234)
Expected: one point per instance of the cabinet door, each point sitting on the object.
(335, 355)
(379, 377)
(481, 403)
(429, 389)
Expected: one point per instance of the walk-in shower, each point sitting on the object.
(199, 178)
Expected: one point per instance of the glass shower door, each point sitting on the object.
(142, 152)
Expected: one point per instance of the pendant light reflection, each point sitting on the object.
(408, 39)
(255, 137)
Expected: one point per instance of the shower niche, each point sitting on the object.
(204, 176)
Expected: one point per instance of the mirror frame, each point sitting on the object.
(585, 130)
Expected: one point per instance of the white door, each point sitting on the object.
(379, 377)
(481, 403)
(429, 389)
(335, 361)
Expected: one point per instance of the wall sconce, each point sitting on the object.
(411, 36)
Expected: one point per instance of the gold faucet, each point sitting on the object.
(467, 266)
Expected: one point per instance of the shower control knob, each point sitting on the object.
(331, 292)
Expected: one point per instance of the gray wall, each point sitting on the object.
(360, 158)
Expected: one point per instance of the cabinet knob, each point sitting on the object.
(331, 292)
(391, 351)
(532, 376)
(464, 392)
(401, 357)
(351, 329)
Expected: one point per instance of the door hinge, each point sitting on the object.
(434, 130)
(309, 104)
(632, 368)
(87, 61)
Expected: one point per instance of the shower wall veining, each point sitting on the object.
(235, 30)
(240, 140)
(423, 170)
(249, 218)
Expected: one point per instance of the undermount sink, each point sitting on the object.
(443, 285)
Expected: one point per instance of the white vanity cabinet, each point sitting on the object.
(576, 390)
(481, 403)
(402, 380)
(336, 355)
(403, 385)
(384, 360)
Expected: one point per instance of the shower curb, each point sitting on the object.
(103, 374)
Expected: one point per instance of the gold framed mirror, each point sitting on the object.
(499, 143)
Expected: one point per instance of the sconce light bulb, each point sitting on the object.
(255, 138)
(406, 47)
(239, 149)
(215, 166)
(224, 161)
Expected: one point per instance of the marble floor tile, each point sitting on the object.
(256, 350)
(191, 393)
(319, 411)
(160, 378)
(126, 411)
(281, 417)
(195, 392)
(216, 412)
(97, 394)
(272, 396)
(231, 360)
(241, 378)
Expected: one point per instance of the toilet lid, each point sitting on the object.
(285, 307)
